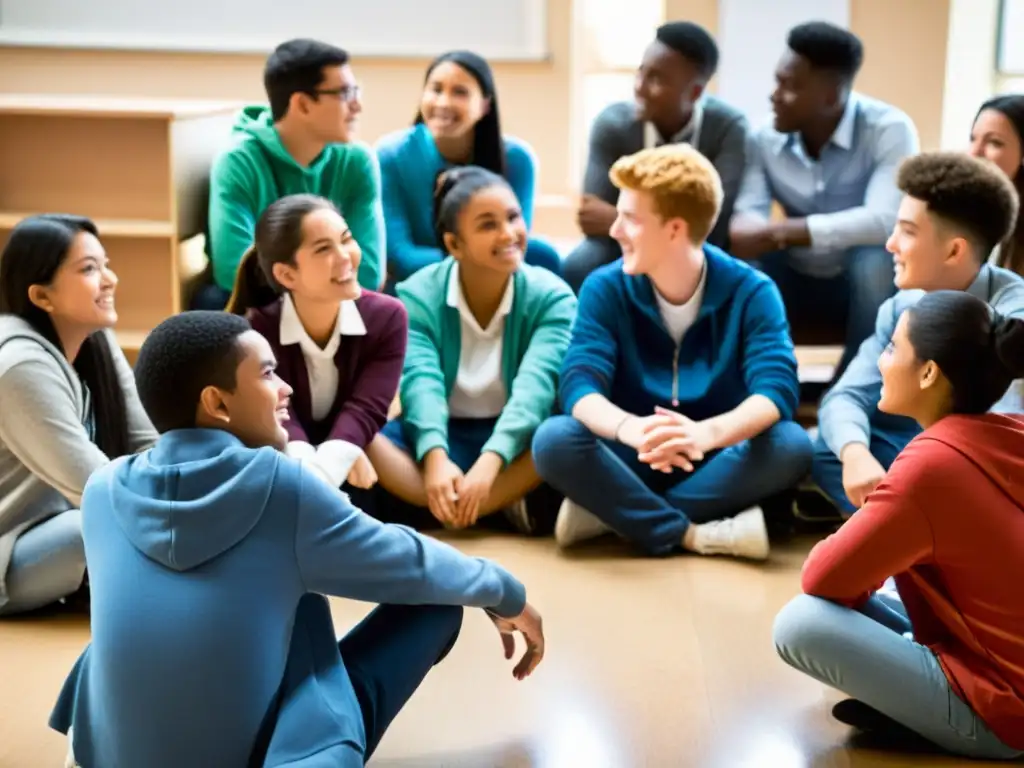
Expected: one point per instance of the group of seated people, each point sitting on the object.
(203, 504)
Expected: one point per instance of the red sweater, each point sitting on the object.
(948, 523)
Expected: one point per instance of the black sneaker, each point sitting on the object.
(864, 717)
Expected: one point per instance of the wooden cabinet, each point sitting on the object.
(139, 168)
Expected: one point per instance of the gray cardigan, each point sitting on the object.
(723, 135)
(46, 455)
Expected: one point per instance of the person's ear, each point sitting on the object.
(40, 296)
(959, 250)
(214, 406)
(451, 244)
(930, 375)
(285, 275)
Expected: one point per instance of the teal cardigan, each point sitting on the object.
(409, 166)
(537, 333)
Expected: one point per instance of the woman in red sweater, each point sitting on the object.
(948, 523)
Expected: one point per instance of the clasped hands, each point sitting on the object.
(668, 440)
(453, 497)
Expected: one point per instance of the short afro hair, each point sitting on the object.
(969, 195)
(693, 43)
(828, 47)
(180, 358)
(683, 182)
(297, 66)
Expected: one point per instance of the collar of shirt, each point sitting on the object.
(688, 134)
(457, 300)
(349, 323)
(842, 136)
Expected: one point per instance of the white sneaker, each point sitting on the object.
(575, 524)
(742, 536)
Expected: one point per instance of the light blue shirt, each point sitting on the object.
(848, 196)
(846, 411)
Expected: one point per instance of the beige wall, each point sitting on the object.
(905, 42)
(904, 52)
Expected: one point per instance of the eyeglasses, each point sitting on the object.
(346, 93)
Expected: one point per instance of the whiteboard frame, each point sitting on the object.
(538, 49)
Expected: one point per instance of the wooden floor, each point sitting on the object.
(650, 663)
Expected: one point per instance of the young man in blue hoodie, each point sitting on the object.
(680, 382)
(209, 555)
(301, 142)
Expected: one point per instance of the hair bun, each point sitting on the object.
(1008, 341)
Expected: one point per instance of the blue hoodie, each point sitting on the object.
(738, 346)
(200, 551)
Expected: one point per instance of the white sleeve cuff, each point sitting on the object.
(336, 457)
(299, 449)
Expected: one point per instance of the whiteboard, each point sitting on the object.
(497, 29)
(752, 37)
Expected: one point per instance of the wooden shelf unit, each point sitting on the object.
(138, 167)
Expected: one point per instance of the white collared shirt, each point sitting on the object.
(679, 317)
(320, 365)
(688, 134)
(479, 391)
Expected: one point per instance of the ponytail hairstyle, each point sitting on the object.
(488, 145)
(453, 190)
(36, 249)
(979, 351)
(278, 238)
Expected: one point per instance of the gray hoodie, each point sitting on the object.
(46, 453)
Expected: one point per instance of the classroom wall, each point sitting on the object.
(905, 43)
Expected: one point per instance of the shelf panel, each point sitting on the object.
(60, 105)
(107, 227)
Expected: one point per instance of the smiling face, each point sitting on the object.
(491, 231)
(326, 265)
(256, 410)
(801, 93)
(645, 237)
(452, 102)
(994, 138)
(333, 115)
(80, 297)
(666, 85)
(910, 387)
(925, 255)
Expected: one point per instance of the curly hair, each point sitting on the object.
(683, 183)
(970, 196)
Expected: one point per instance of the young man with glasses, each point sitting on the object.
(301, 142)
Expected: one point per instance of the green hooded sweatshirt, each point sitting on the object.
(257, 170)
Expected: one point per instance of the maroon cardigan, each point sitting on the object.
(369, 368)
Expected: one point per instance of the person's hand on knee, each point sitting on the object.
(440, 479)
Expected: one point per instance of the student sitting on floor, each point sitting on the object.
(67, 404)
(669, 105)
(829, 159)
(302, 142)
(338, 346)
(680, 384)
(212, 642)
(486, 338)
(955, 209)
(457, 124)
(948, 523)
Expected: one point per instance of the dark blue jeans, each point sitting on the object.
(827, 470)
(851, 299)
(653, 509)
(387, 655)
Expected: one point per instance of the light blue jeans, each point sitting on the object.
(48, 563)
(864, 655)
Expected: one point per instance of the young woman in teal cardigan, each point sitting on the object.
(487, 334)
(457, 124)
